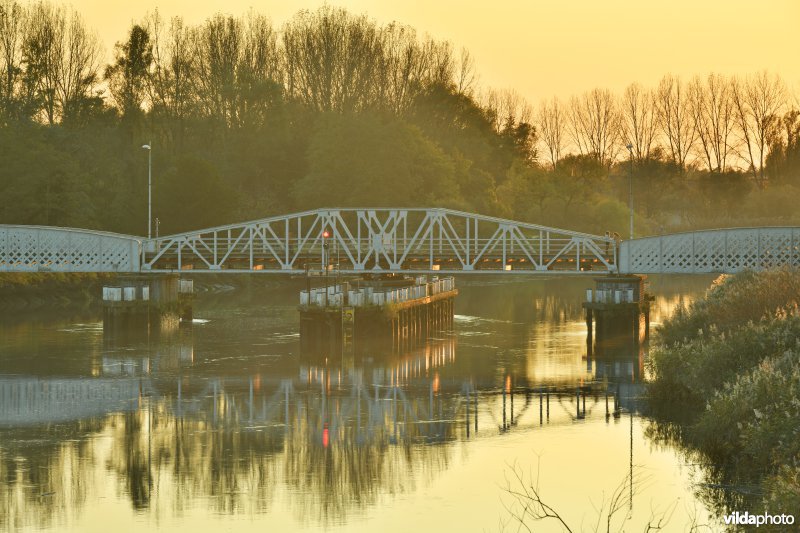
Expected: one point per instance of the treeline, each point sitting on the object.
(332, 109)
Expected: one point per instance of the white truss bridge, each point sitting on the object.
(353, 241)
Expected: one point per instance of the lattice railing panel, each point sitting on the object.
(775, 250)
(677, 254)
(648, 258)
(722, 251)
(45, 249)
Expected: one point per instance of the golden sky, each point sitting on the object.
(543, 48)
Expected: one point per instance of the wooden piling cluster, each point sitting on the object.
(415, 320)
(396, 314)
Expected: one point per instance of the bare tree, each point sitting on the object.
(675, 119)
(507, 109)
(403, 68)
(170, 87)
(12, 20)
(333, 59)
(466, 77)
(551, 124)
(758, 101)
(638, 118)
(61, 58)
(594, 124)
(259, 72)
(441, 63)
(217, 46)
(78, 67)
(712, 109)
(42, 49)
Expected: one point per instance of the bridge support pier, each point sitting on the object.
(149, 302)
(617, 316)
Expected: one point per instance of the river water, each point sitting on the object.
(223, 425)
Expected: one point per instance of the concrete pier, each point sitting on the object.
(145, 302)
(617, 313)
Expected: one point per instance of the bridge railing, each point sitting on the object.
(49, 249)
(713, 251)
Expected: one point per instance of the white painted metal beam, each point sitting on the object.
(383, 241)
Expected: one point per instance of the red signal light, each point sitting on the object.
(326, 234)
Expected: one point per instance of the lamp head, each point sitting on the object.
(146, 146)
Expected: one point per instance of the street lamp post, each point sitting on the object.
(630, 186)
(149, 188)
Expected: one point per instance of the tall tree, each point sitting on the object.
(61, 58)
(675, 119)
(128, 77)
(78, 67)
(12, 20)
(403, 68)
(170, 89)
(333, 60)
(551, 124)
(638, 117)
(712, 109)
(594, 125)
(758, 101)
(42, 49)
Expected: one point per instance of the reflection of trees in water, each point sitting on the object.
(717, 486)
(349, 462)
(177, 460)
(43, 477)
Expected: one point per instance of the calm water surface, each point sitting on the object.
(225, 426)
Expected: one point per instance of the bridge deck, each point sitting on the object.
(394, 241)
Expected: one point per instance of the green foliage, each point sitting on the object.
(733, 301)
(686, 374)
(357, 160)
(728, 371)
(756, 415)
(196, 195)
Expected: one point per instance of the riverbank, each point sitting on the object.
(39, 290)
(35, 291)
(726, 387)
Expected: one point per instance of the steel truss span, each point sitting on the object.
(382, 241)
(724, 251)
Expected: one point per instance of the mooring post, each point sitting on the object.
(548, 404)
(589, 336)
(511, 394)
(476, 410)
(504, 408)
(467, 424)
(541, 406)
(583, 390)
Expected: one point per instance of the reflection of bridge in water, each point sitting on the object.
(414, 400)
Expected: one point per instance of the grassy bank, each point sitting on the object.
(726, 380)
(26, 291)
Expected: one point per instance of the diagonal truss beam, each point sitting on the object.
(382, 241)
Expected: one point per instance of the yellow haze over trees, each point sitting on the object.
(331, 109)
